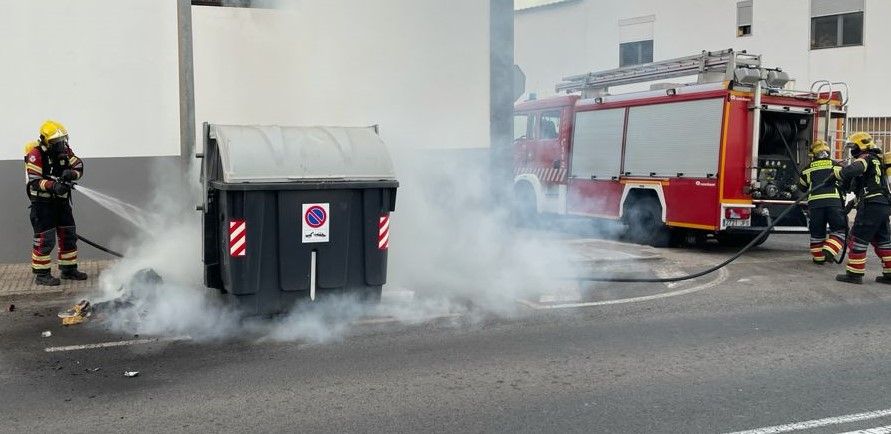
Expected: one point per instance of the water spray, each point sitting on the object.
(72, 186)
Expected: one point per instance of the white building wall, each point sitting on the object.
(419, 68)
(583, 35)
(106, 69)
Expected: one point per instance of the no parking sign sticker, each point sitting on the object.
(315, 223)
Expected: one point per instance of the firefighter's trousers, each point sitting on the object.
(870, 227)
(53, 219)
(823, 248)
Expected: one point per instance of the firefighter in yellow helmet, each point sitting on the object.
(866, 176)
(825, 206)
(50, 168)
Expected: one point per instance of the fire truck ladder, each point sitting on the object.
(835, 128)
(710, 66)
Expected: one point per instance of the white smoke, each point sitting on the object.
(452, 245)
(453, 237)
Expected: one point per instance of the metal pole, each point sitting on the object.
(501, 89)
(756, 131)
(186, 83)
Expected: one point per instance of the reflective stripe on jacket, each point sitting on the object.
(816, 174)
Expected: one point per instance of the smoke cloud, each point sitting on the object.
(453, 249)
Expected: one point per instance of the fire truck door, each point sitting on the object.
(524, 128)
(548, 149)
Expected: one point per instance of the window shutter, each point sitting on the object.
(822, 8)
(636, 29)
(744, 13)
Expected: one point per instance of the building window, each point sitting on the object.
(635, 53)
(636, 40)
(744, 18)
(836, 23)
(837, 31)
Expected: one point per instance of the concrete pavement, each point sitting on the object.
(17, 280)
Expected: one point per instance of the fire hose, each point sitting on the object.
(726, 262)
(71, 185)
(99, 246)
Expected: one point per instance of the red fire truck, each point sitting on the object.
(714, 158)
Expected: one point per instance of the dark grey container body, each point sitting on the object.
(275, 271)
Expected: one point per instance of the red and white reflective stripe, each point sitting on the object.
(383, 232)
(542, 173)
(237, 238)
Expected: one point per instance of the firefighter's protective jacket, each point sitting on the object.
(869, 173)
(42, 170)
(819, 171)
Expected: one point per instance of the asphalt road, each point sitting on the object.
(771, 341)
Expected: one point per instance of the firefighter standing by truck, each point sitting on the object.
(825, 206)
(50, 168)
(866, 176)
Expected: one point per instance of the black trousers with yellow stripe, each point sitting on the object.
(870, 227)
(821, 246)
(53, 219)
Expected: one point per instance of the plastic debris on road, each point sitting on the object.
(77, 314)
(131, 374)
(46, 334)
(10, 308)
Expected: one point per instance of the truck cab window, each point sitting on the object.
(522, 127)
(550, 125)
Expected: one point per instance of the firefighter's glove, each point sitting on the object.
(68, 175)
(61, 188)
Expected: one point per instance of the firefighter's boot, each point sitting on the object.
(71, 273)
(46, 279)
(850, 278)
(884, 278)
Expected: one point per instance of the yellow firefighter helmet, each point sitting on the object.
(860, 140)
(819, 147)
(51, 131)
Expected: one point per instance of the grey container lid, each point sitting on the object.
(291, 154)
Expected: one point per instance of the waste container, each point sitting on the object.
(295, 213)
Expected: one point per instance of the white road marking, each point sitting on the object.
(810, 424)
(390, 319)
(115, 344)
(602, 241)
(565, 294)
(722, 276)
(878, 430)
(663, 272)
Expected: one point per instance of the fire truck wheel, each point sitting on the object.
(525, 209)
(643, 222)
